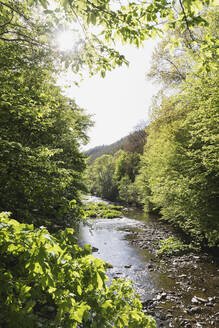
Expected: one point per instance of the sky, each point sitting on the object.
(121, 100)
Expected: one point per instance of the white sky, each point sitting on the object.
(119, 101)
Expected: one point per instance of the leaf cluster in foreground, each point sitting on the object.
(49, 281)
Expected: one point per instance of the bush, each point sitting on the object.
(172, 246)
(49, 281)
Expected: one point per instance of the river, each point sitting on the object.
(179, 293)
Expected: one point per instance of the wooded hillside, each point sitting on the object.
(134, 142)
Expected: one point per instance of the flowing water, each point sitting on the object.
(111, 239)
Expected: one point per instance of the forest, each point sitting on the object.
(171, 166)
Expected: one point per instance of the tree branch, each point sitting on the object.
(8, 22)
(176, 68)
(14, 10)
(186, 20)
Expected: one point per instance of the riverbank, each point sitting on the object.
(188, 296)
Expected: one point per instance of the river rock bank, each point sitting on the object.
(191, 295)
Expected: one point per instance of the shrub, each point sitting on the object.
(49, 281)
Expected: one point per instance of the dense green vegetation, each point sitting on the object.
(41, 130)
(49, 281)
(113, 176)
(46, 279)
(179, 170)
(180, 164)
(173, 246)
(178, 173)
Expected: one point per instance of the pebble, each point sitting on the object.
(192, 278)
(127, 266)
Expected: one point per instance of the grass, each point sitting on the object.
(102, 210)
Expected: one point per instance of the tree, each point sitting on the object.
(134, 23)
(100, 177)
(41, 130)
(171, 65)
(113, 176)
(127, 164)
(136, 140)
(169, 69)
(179, 171)
(41, 164)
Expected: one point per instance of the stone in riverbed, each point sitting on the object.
(169, 316)
(213, 299)
(95, 249)
(197, 300)
(127, 266)
(150, 266)
(194, 309)
(161, 296)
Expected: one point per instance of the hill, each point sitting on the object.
(134, 142)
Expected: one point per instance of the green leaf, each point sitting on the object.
(79, 290)
(93, 18)
(99, 281)
(107, 304)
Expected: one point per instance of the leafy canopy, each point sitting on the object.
(97, 24)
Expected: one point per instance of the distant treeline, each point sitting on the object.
(134, 142)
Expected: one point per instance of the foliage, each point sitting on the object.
(135, 141)
(127, 164)
(113, 177)
(100, 177)
(41, 130)
(41, 165)
(181, 162)
(35, 22)
(172, 246)
(128, 22)
(171, 65)
(102, 210)
(46, 280)
(169, 68)
(179, 168)
(126, 169)
(49, 281)
(127, 191)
